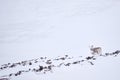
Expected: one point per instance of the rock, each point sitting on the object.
(4, 79)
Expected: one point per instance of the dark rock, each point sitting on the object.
(30, 63)
(68, 64)
(49, 62)
(88, 58)
(13, 65)
(4, 79)
(40, 68)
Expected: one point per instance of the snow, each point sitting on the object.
(33, 28)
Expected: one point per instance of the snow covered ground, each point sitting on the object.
(33, 28)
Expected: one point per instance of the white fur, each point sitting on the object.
(96, 50)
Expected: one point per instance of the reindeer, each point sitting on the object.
(96, 50)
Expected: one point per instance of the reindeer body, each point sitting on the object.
(96, 50)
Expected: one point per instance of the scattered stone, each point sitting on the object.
(49, 64)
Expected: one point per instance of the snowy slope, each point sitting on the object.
(31, 29)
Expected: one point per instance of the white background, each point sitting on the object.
(33, 28)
